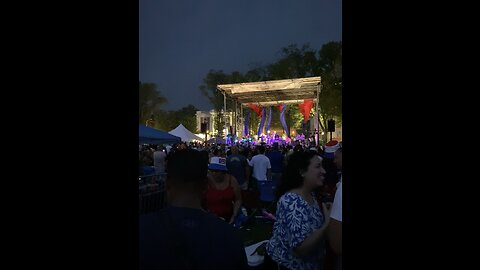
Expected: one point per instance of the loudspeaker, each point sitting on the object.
(203, 127)
(331, 125)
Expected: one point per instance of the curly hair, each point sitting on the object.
(291, 177)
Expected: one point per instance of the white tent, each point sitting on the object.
(185, 134)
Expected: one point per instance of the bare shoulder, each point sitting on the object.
(233, 180)
(209, 177)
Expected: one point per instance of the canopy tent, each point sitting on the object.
(184, 134)
(272, 93)
(147, 135)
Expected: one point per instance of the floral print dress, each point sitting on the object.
(296, 220)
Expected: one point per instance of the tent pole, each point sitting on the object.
(242, 120)
(225, 113)
(235, 118)
(317, 127)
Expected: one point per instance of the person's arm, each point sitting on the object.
(247, 174)
(334, 231)
(250, 162)
(334, 235)
(283, 163)
(238, 198)
(269, 170)
(311, 242)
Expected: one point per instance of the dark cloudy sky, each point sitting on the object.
(181, 40)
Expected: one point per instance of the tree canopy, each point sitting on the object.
(150, 104)
(150, 101)
(168, 120)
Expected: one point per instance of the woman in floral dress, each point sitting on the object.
(298, 240)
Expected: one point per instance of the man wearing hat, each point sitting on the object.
(330, 148)
(331, 177)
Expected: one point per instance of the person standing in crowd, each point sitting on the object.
(298, 240)
(331, 178)
(167, 149)
(261, 166)
(237, 166)
(277, 161)
(183, 235)
(140, 163)
(223, 150)
(335, 228)
(290, 151)
(217, 152)
(159, 157)
(148, 157)
(223, 197)
(298, 148)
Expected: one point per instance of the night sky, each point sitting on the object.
(181, 40)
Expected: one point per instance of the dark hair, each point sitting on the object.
(188, 166)
(291, 177)
(331, 176)
(261, 149)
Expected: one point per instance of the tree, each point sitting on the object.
(168, 120)
(187, 117)
(330, 69)
(255, 75)
(294, 117)
(209, 89)
(295, 63)
(254, 122)
(303, 62)
(150, 101)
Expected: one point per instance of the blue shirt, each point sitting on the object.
(276, 160)
(236, 165)
(296, 220)
(174, 236)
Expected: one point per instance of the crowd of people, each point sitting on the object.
(205, 184)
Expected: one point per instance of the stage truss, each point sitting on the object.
(271, 93)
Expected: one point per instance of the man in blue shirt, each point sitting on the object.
(277, 161)
(184, 236)
(237, 166)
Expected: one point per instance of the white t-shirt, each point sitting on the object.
(159, 161)
(260, 164)
(337, 204)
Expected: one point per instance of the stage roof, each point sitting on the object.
(270, 93)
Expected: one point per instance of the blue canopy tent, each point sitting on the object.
(147, 135)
